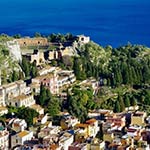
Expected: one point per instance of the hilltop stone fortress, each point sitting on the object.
(52, 54)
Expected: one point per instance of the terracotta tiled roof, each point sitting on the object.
(91, 121)
(23, 133)
(80, 125)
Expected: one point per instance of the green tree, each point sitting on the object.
(5, 51)
(146, 74)
(25, 65)
(121, 102)
(34, 70)
(118, 77)
(14, 76)
(125, 73)
(37, 34)
(21, 75)
(53, 107)
(146, 97)
(134, 76)
(17, 36)
(77, 68)
(69, 37)
(23, 113)
(27, 113)
(43, 95)
(133, 101)
(117, 107)
(54, 63)
(79, 102)
(126, 101)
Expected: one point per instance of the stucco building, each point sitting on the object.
(49, 81)
(4, 138)
(21, 137)
(12, 90)
(22, 100)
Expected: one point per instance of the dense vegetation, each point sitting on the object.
(60, 38)
(123, 74)
(80, 101)
(23, 113)
(29, 69)
(48, 101)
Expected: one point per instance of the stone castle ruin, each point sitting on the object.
(59, 49)
(40, 41)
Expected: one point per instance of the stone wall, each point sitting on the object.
(14, 49)
(33, 41)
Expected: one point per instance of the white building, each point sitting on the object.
(37, 108)
(83, 39)
(4, 140)
(49, 131)
(49, 81)
(46, 70)
(11, 90)
(65, 77)
(90, 82)
(134, 131)
(22, 100)
(19, 125)
(68, 121)
(21, 137)
(66, 140)
(93, 127)
(35, 87)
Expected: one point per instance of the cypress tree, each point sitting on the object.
(126, 101)
(25, 67)
(121, 102)
(43, 95)
(125, 73)
(130, 76)
(146, 74)
(133, 101)
(117, 107)
(134, 76)
(14, 76)
(76, 67)
(118, 77)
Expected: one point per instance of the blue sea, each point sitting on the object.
(107, 22)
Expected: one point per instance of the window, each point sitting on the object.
(16, 104)
(82, 39)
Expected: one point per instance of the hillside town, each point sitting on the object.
(103, 129)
